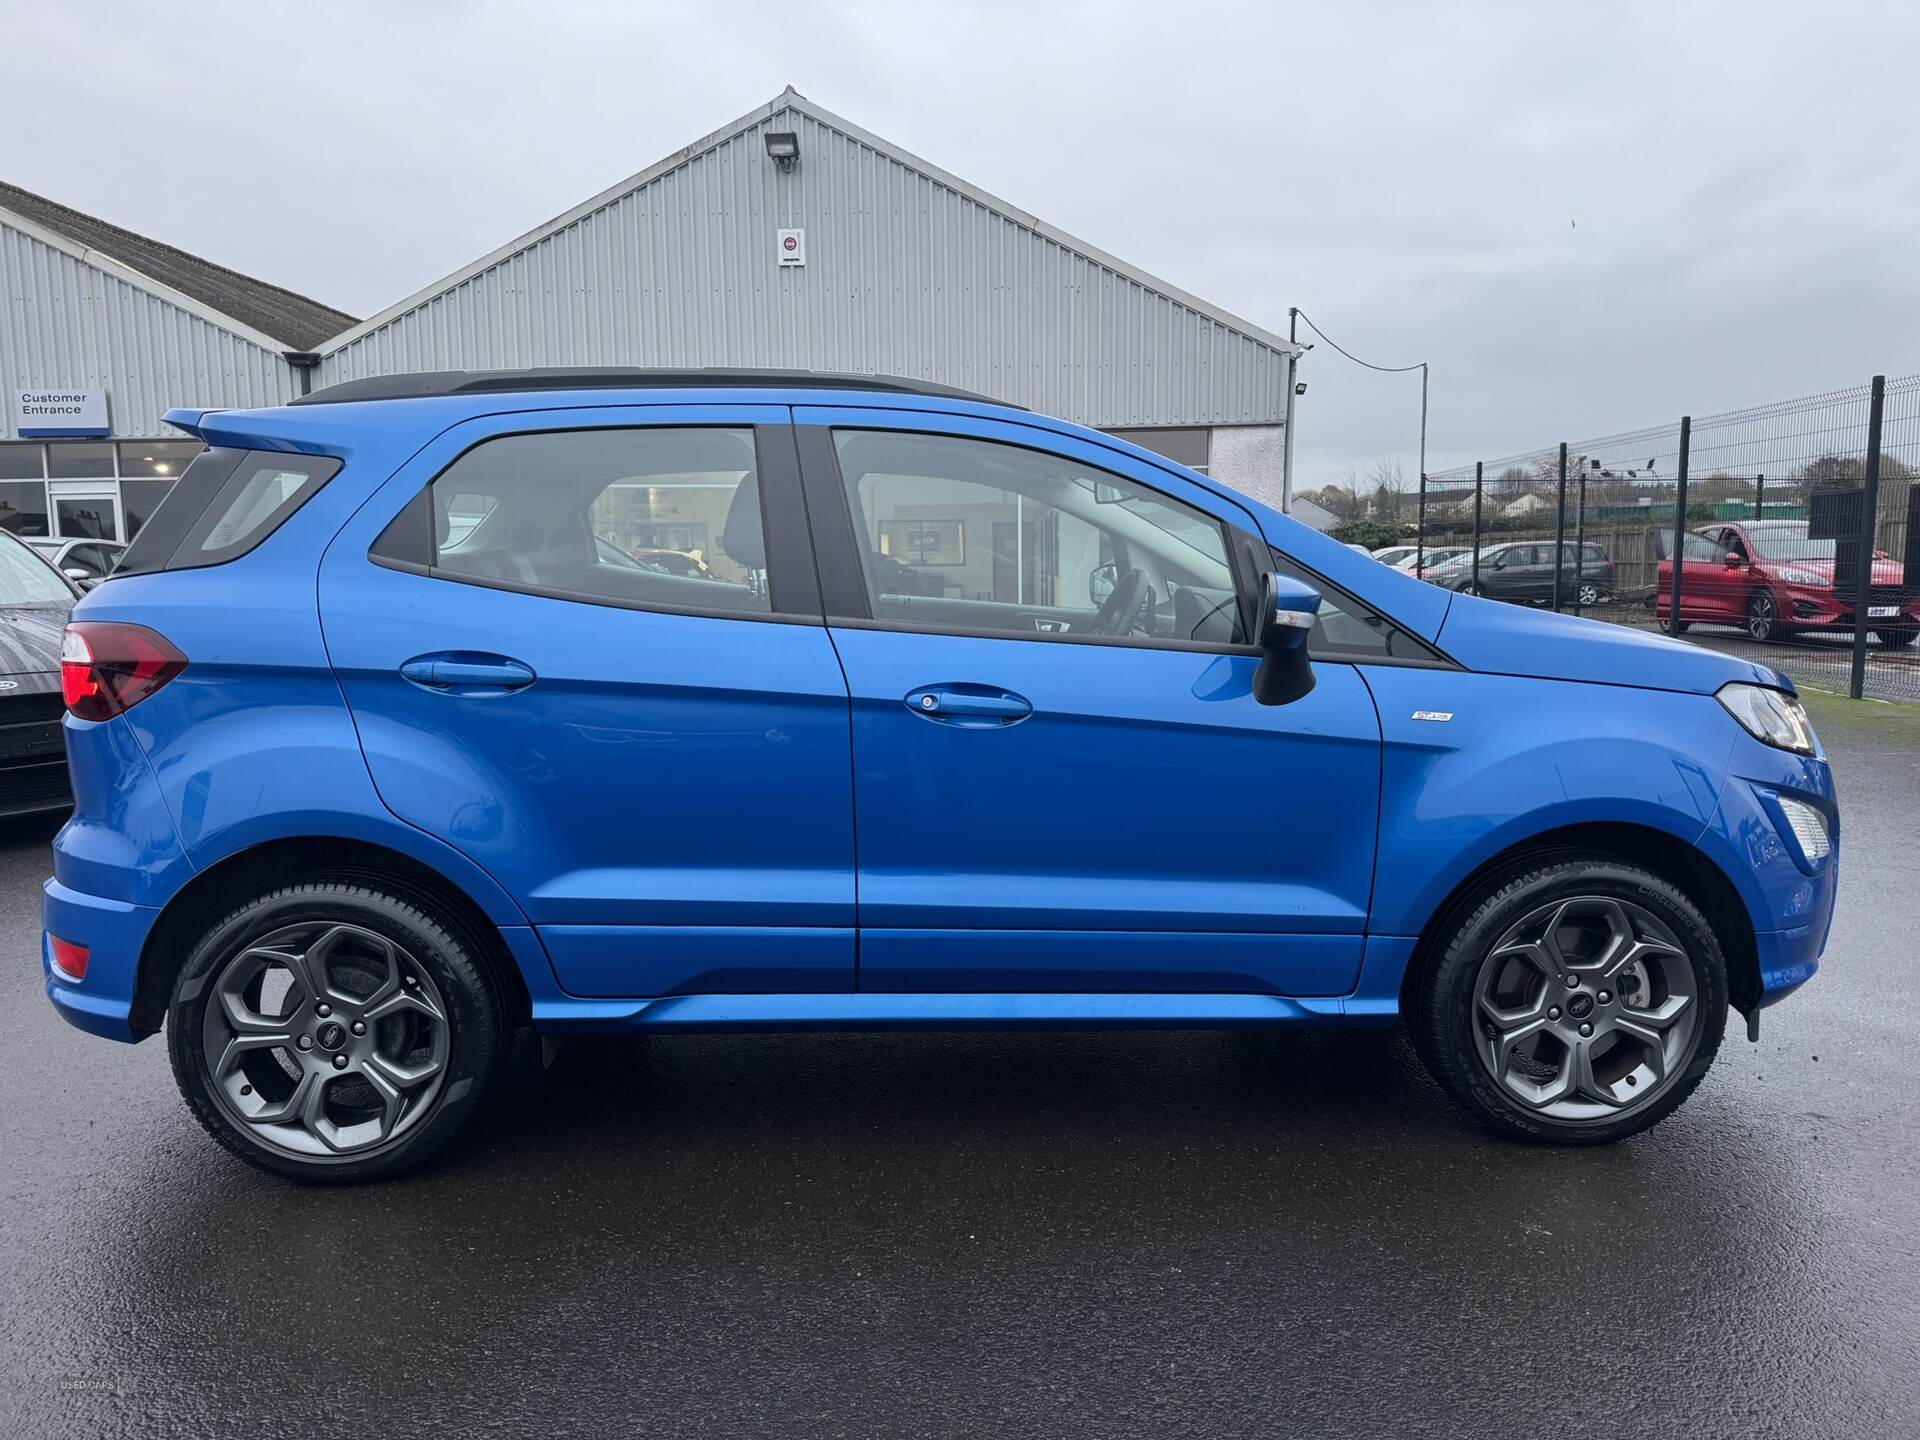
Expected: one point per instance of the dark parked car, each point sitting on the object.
(87, 562)
(35, 599)
(1522, 571)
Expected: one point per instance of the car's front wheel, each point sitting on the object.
(330, 1033)
(1572, 1000)
(1763, 616)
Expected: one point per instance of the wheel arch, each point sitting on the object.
(223, 886)
(1690, 871)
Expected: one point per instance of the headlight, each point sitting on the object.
(1772, 716)
(1801, 577)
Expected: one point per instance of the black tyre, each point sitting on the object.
(329, 1033)
(1575, 999)
(1763, 616)
(1678, 627)
(1893, 639)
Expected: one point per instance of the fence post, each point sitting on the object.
(1869, 526)
(1679, 524)
(1560, 532)
(1580, 536)
(1476, 527)
(1420, 530)
(1760, 497)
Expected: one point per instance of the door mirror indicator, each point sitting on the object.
(1282, 628)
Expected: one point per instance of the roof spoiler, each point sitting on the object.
(188, 420)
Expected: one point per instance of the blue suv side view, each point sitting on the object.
(430, 709)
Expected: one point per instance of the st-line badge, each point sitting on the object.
(1442, 715)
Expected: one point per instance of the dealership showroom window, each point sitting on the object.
(87, 489)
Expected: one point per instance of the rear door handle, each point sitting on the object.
(969, 706)
(466, 673)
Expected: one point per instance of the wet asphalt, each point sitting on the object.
(1043, 1234)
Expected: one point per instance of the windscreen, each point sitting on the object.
(26, 579)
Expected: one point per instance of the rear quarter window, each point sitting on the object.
(226, 503)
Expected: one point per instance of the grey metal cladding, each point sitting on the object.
(909, 271)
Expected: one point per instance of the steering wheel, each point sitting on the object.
(1121, 611)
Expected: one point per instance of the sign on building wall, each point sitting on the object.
(791, 246)
(52, 414)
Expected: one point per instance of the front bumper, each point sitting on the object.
(114, 933)
(1805, 608)
(1789, 898)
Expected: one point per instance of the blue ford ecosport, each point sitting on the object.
(434, 707)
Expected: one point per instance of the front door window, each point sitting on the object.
(982, 537)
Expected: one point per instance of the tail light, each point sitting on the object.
(69, 959)
(106, 668)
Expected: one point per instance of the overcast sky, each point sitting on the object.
(1586, 218)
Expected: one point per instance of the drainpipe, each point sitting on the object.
(304, 362)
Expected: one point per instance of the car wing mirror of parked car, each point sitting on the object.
(1282, 627)
(1732, 561)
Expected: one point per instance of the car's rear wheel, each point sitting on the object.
(1573, 1000)
(1763, 616)
(1590, 593)
(331, 1033)
(1896, 638)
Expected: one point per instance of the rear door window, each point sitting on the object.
(664, 518)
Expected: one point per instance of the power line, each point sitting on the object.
(1383, 369)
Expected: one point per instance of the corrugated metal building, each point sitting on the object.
(789, 239)
(101, 331)
(894, 267)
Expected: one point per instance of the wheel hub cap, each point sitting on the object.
(1586, 1008)
(325, 1039)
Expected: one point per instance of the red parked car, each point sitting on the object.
(1771, 580)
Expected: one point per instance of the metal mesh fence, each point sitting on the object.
(1790, 533)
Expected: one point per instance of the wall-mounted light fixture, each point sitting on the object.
(783, 148)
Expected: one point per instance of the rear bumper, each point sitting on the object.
(114, 933)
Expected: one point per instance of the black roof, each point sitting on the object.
(292, 319)
(425, 383)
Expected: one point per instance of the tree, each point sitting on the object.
(1373, 534)
(1389, 484)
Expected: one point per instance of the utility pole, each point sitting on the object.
(1293, 388)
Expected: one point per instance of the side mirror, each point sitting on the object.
(1281, 629)
(1100, 582)
(1732, 561)
(74, 572)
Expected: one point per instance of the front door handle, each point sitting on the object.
(468, 673)
(969, 706)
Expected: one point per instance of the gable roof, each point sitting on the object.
(293, 321)
(790, 101)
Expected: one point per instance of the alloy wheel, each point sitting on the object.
(1589, 594)
(1586, 1008)
(1762, 616)
(325, 1039)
